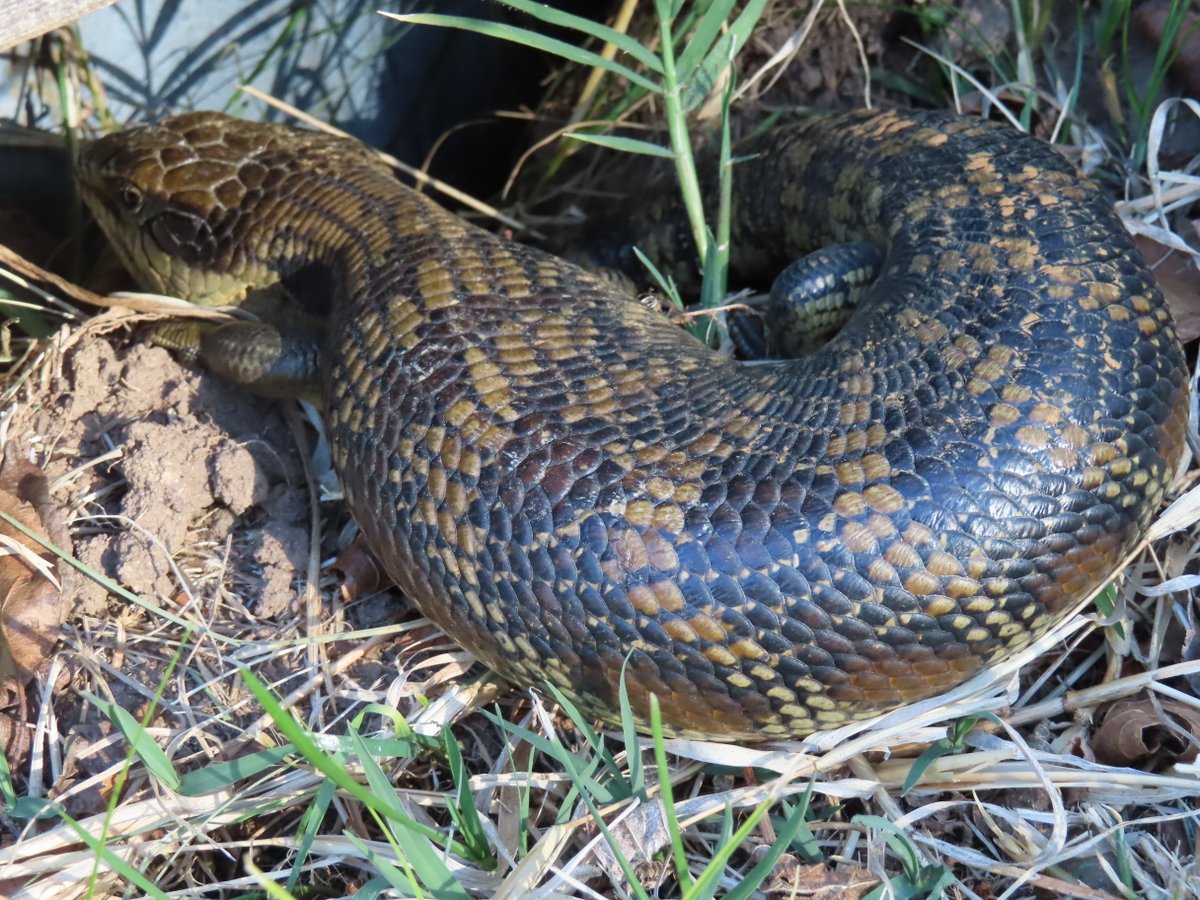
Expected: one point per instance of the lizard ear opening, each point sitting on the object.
(180, 233)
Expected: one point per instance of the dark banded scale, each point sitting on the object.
(563, 480)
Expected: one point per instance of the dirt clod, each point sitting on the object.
(190, 466)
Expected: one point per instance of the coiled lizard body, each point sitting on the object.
(568, 484)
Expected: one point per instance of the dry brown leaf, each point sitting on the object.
(1146, 734)
(32, 605)
(1179, 280)
(816, 882)
(360, 573)
(639, 835)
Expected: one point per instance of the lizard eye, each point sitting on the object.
(131, 197)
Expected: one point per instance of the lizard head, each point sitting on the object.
(197, 205)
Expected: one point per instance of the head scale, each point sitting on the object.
(166, 195)
(188, 202)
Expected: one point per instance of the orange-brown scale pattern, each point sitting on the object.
(562, 480)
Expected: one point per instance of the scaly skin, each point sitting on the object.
(561, 479)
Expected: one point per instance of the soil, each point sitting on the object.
(199, 475)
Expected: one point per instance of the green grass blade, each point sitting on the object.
(943, 747)
(146, 749)
(373, 889)
(271, 888)
(665, 283)
(597, 743)
(633, 751)
(525, 810)
(681, 143)
(8, 793)
(32, 808)
(218, 776)
(804, 843)
(598, 30)
(581, 785)
(624, 144)
(898, 888)
(940, 886)
(707, 31)
(726, 826)
(668, 797)
(326, 765)
(766, 865)
(462, 808)
(25, 317)
(404, 742)
(401, 882)
(116, 863)
(932, 753)
(590, 802)
(930, 883)
(529, 39)
(412, 846)
(897, 840)
(387, 748)
(103, 854)
(712, 292)
(558, 754)
(706, 884)
(723, 52)
(713, 288)
(725, 188)
(310, 823)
